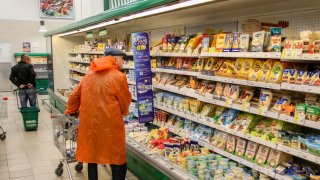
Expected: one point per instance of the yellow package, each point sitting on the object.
(217, 65)
(239, 64)
(214, 41)
(195, 106)
(200, 64)
(209, 64)
(255, 71)
(243, 66)
(266, 70)
(192, 44)
(186, 104)
(231, 69)
(153, 63)
(172, 62)
(220, 42)
(276, 73)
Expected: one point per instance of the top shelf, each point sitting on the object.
(94, 53)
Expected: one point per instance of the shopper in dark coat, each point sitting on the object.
(23, 76)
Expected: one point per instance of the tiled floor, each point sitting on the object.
(32, 155)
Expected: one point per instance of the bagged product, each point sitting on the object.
(219, 89)
(293, 74)
(230, 116)
(207, 109)
(179, 62)
(226, 91)
(311, 77)
(195, 106)
(234, 92)
(266, 70)
(242, 122)
(301, 76)
(208, 91)
(255, 71)
(202, 86)
(265, 98)
(300, 110)
(178, 43)
(246, 95)
(192, 44)
(313, 113)
(277, 157)
(184, 43)
(165, 43)
(282, 101)
(205, 44)
(276, 73)
(209, 64)
(285, 75)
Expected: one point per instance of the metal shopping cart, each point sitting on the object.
(65, 135)
(3, 115)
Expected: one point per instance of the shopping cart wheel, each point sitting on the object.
(3, 136)
(79, 167)
(59, 170)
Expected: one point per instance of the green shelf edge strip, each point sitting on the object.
(31, 54)
(124, 10)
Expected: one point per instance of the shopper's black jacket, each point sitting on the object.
(23, 73)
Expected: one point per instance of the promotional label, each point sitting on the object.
(141, 56)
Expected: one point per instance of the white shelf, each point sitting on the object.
(282, 177)
(77, 70)
(158, 161)
(85, 52)
(174, 71)
(260, 55)
(206, 121)
(131, 82)
(82, 62)
(176, 54)
(127, 67)
(240, 82)
(312, 124)
(301, 88)
(183, 91)
(305, 58)
(240, 160)
(75, 79)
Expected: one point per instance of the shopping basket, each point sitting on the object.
(3, 115)
(65, 137)
(30, 115)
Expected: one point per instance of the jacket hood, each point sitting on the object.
(104, 63)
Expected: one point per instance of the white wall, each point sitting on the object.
(29, 9)
(20, 21)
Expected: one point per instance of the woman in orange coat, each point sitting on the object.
(103, 97)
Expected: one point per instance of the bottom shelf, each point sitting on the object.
(165, 166)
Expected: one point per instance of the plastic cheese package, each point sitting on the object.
(242, 122)
(218, 89)
(230, 116)
(178, 43)
(311, 78)
(276, 73)
(246, 67)
(262, 154)
(159, 96)
(313, 113)
(226, 91)
(195, 106)
(176, 101)
(193, 42)
(251, 150)
(208, 91)
(234, 92)
(292, 77)
(240, 147)
(207, 109)
(301, 76)
(236, 42)
(245, 95)
(266, 70)
(227, 47)
(181, 81)
(265, 98)
(165, 43)
(231, 143)
(244, 42)
(257, 41)
(218, 111)
(254, 72)
(220, 42)
(186, 104)
(282, 101)
(206, 134)
(202, 86)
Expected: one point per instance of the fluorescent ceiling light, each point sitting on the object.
(142, 14)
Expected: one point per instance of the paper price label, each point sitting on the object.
(228, 102)
(299, 119)
(263, 110)
(245, 106)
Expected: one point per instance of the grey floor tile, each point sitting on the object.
(19, 166)
(3, 166)
(25, 178)
(16, 156)
(43, 170)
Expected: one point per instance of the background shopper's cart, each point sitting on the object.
(3, 115)
(65, 134)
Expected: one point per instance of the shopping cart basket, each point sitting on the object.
(30, 115)
(65, 134)
(3, 115)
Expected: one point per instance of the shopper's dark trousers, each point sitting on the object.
(118, 171)
(27, 94)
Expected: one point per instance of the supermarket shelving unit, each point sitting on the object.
(226, 15)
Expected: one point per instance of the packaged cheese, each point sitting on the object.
(246, 95)
(219, 89)
(311, 77)
(262, 154)
(277, 157)
(255, 71)
(285, 75)
(302, 74)
(275, 39)
(241, 147)
(234, 92)
(282, 101)
(257, 41)
(209, 64)
(165, 43)
(205, 44)
(226, 91)
(293, 73)
(266, 70)
(236, 42)
(228, 43)
(251, 151)
(231, 143)
(220, 42)
(265, 98)
(244, 42)
(193, 43)
(276, 72)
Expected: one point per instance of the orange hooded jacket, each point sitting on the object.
(103, 97)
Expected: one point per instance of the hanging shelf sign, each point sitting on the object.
(141, 56)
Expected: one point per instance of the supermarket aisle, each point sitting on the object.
(32, 155)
